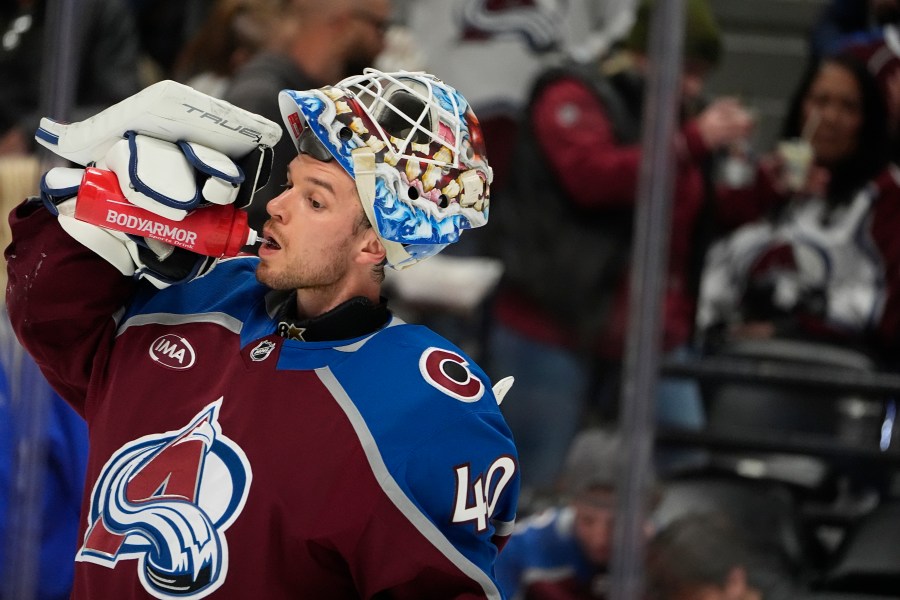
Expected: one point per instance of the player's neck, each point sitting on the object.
(314, 302)
(353, 318)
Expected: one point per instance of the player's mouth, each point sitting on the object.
(269, 242)
(269, 245)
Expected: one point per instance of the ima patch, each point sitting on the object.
(173, 351)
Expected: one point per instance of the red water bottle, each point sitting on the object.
(212, 230)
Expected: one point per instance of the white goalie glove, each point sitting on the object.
(172, 149)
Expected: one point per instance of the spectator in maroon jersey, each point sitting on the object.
(814, 268)
(561, 312)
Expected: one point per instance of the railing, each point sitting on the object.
(770, 372)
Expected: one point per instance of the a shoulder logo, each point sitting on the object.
(262, 351)
(449, 372)
(173, 351)
(166, 501)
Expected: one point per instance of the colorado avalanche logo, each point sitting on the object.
(538, 22)
(449, 372)
(166, 500)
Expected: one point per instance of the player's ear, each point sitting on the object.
(371, 250)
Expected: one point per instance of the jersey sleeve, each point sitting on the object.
(510, 566)
(467, 480)
(62, 299)
(462, 484)
(445, 461)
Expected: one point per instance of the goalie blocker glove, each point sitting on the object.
(158, 143)
(159, 263)
(161, 177)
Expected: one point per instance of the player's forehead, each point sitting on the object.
(328, 176)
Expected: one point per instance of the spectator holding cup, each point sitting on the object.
(809, 269)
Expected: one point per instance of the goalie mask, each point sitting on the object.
(414, 148)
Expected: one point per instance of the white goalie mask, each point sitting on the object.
(414, 148)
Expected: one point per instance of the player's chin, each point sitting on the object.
(274, 277)
(264, 273)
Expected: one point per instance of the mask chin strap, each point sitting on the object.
(364, 173)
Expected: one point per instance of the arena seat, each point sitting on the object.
(766, 511)
(868, 561)
(835, 413)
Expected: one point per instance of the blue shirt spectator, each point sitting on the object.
(59, 451)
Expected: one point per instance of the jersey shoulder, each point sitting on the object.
(428, 368)
(230, 288)
(426, 404)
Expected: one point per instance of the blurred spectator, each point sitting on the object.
(43, 448)
(705, 557)
(104, 57)
(163, 29)
(815, 268)
(564, 234)
(43, 457)
(839, 22)
(232, 34)
(494, 49)
(851, 22)
(563, 552)
(879, 48)
(19, 178)
(316, 42)
(401, 51)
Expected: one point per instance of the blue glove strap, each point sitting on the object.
(50, 197)
(203, 167)
(143, 188)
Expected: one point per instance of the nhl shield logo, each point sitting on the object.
(262, 351)
(166, 501)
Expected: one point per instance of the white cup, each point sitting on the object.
(797, 155)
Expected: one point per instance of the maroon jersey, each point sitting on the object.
(227, 460)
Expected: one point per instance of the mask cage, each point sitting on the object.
(409, 112)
